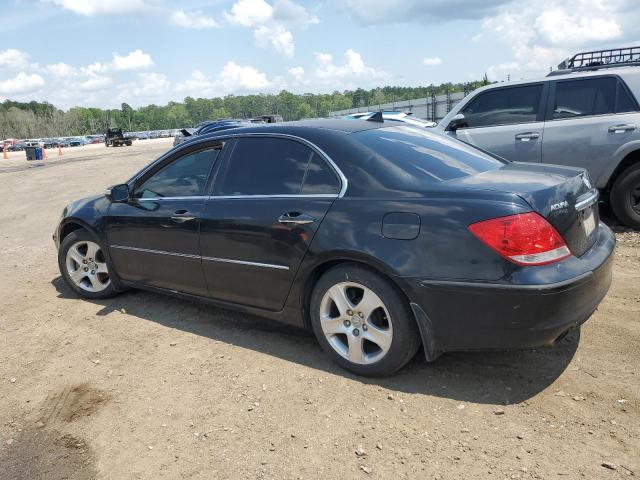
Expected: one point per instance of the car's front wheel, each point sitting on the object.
(83, 266)
(362, 322)
(625, 196)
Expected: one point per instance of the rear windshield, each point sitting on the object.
(405, 157)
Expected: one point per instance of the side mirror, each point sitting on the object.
(458, 121)
(118, 193)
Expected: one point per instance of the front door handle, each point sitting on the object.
(527, 136)
(623, 128)
(295, 218)
(181, 216)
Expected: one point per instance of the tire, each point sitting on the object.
(377, 343)
(93, 283)
(625, 196)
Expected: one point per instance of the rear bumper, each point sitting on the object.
(519, 313)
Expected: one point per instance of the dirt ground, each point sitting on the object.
(145, 386)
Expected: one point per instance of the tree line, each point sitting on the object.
(41, 119)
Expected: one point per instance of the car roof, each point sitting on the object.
(569, 75)
(329, 125)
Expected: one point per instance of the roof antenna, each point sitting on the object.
(376, 117)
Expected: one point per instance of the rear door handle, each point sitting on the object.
(526, 136)
(295, 218)
(181, 216)
(623, 128)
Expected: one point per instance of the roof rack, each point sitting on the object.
(615, 57)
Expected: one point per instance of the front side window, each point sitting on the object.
(265, 166)
(504, 106)
(581, 98)
(184, 177)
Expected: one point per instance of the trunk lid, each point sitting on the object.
(564, 196)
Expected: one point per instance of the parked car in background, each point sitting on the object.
(209, 127)
(266, 119)
(77, 141)
(142, 136)
(586, 114)
(95, 138)
(153, 135)
(379, 237)
(401, 117)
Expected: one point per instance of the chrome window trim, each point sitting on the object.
(198, 257)
(223, 138)
(157, 199)
(228, 197)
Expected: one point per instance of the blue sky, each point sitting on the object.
(105, 52)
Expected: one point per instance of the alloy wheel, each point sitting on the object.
(87, 266)
(356, 323)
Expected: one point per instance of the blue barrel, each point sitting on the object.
(38, 153)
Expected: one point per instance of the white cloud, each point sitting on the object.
(543, 33)
(61, 70)
(271, 24)
(296, 72)
(233, 78)
(135, 60)
(250, 13)
(12, 58)
(354, 67)
(293, 14)
(280, 38)
(560, 27)
(194, 20)
(21, 84)
(95, 7)
(432, 61)
(95, 83)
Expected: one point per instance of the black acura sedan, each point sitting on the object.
(379, 238)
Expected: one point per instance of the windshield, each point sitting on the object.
(407, 158)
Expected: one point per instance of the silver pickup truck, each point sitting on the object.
(586, 114)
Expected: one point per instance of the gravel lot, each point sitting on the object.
(147, 386)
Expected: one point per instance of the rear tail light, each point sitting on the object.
(525, 238)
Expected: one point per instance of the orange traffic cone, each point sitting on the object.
(59, 150)
(44, 152)
(4, 153)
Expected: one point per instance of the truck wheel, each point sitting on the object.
(625, 196)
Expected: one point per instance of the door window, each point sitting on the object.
(504, 106)
(272, 166)
(184, 177)
(320, 179)
(581, 98)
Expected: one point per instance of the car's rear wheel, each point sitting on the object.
(362, 322)
(84, 267)
(625, 196)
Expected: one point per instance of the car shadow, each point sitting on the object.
(502, 378)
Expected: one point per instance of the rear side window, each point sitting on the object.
(275, 166)
(504, 106)
(580, 98)
(406, 159)
(320, 179)
(624, 102)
